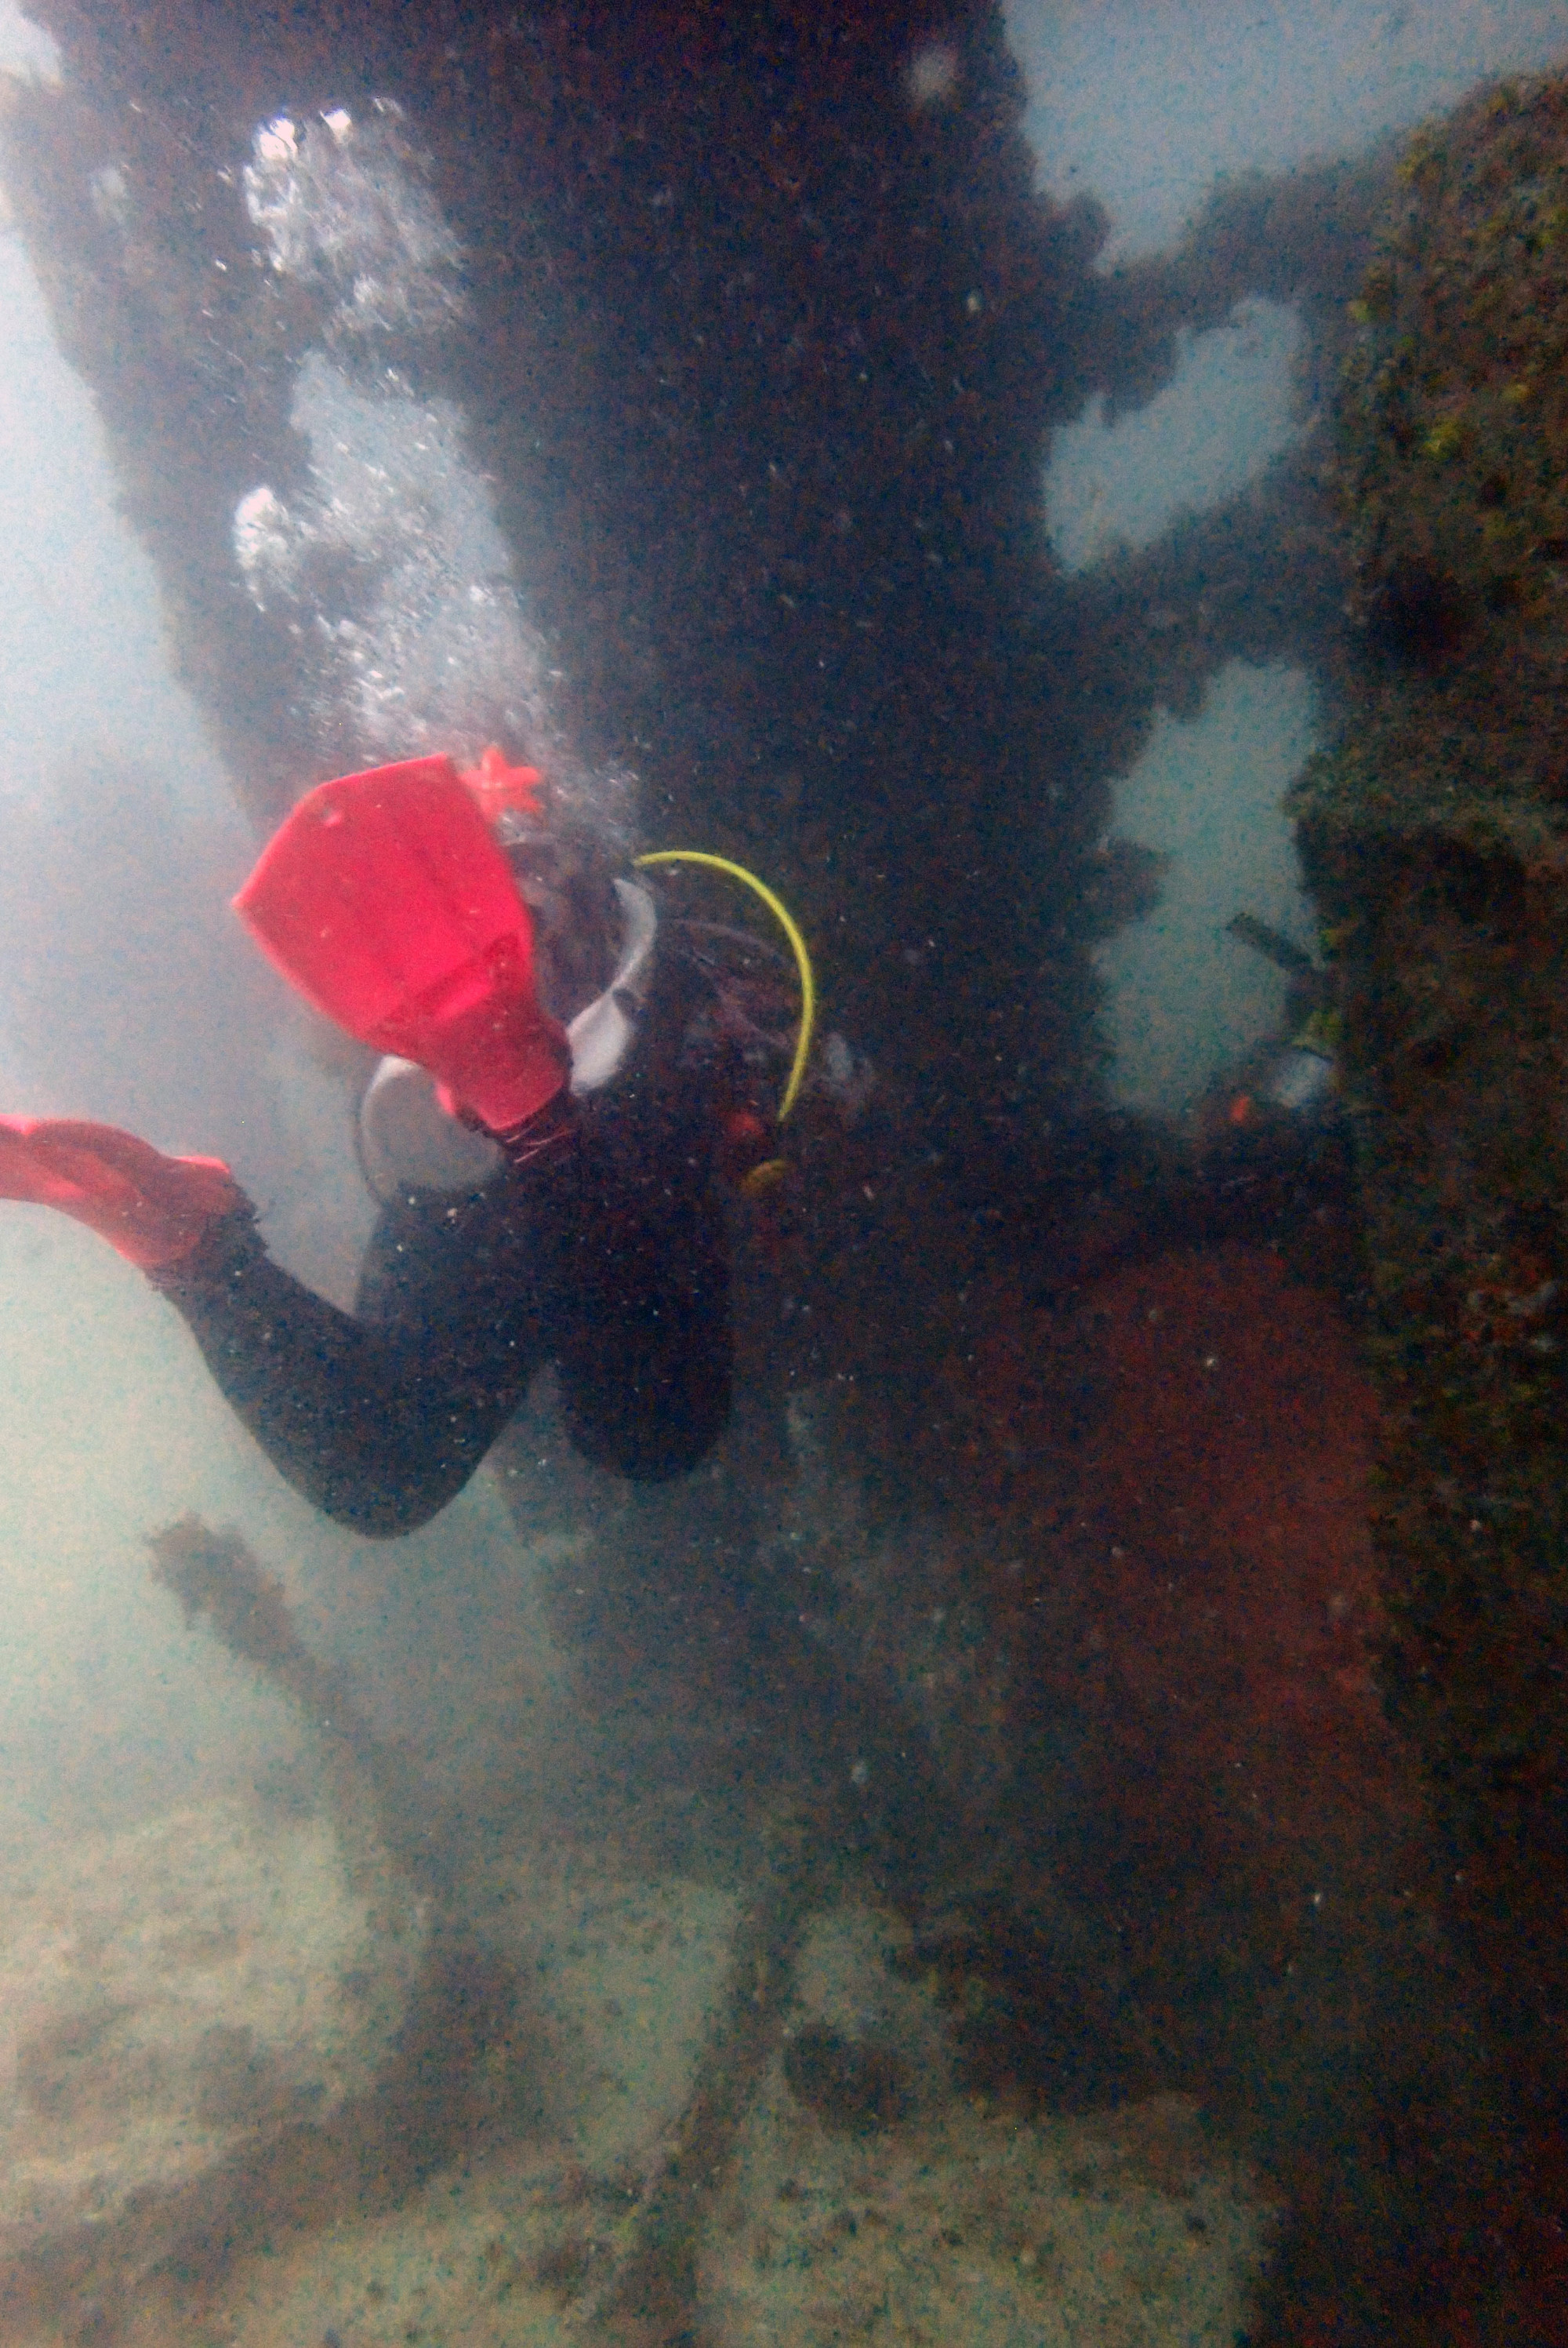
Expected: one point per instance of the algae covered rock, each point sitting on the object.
(1453, 473)
(1435, 835)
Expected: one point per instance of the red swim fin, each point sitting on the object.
(384, 899)
(153, 1209)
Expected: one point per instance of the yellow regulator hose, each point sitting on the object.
(786, 922)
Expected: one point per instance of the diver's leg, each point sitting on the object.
(380, 1419)
(612, 1256)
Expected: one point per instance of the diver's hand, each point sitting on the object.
(151, 1209)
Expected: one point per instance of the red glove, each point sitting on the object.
(152, 1208)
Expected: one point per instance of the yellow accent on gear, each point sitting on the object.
(764, 1177)
(786, 922)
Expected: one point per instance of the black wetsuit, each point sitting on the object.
(609, 1259)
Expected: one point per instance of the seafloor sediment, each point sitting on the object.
(697, 2052)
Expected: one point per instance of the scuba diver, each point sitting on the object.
(545, 1129)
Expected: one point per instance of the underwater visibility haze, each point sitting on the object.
(783, 1174)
